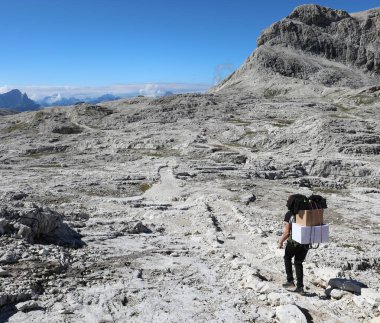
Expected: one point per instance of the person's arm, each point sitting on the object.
(285, 235)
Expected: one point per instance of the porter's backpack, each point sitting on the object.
(297, 202)
(317, 202)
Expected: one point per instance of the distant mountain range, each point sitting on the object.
(15, 100)
(4, 112)
(57, 99)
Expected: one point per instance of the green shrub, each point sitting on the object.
(144, 187)
(364, 100)
(271, 93)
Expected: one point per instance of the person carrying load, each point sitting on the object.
(295, 204)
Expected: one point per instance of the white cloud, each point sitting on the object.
(4, 89)
(222, 71)
(153, 89)
(54, 98)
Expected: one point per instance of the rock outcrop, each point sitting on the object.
(34, 223)
(332, 34)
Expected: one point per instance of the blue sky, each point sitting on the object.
(104, 42)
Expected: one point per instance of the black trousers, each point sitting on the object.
(299, 252)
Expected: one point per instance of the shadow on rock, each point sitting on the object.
(307, 314)
(307, 294)
(6, 312)
(63, 235)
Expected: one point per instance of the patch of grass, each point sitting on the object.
(271, 93)
(145, 186)
(56, 199)
(39, 155)
(239, 122)
(234, 145)
(159, 152)
(358, 248)
(342, 107)
(218, 147)
(16, 126)
(250, 133)
(340, 116)
(82, 206)
(39, 115)
(364, 99)
(329, 191)
(154, 154)
(258, 132)
(53, 165)
(102, 192)
(283, 123)
(369, 126)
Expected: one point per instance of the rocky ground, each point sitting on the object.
(170, 209)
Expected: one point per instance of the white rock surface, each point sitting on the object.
(337, 293)
(276, 299)
(371, 296)
(27, 306)
(290, 314)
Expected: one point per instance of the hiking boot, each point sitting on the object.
(300, 291)
(289, 284)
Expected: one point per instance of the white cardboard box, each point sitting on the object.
(307, 235)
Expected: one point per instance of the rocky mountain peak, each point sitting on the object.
(18, 101)
(331, 34)
(14, 93)
(323, 46)
(316, 15)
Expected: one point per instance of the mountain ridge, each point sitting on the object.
(15, 100)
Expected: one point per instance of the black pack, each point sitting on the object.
(297, 202)
(317, 202)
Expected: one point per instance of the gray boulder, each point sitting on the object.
(8, 258)
(347, 284)
(248, 198)
(27, 306)
(140, 228)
